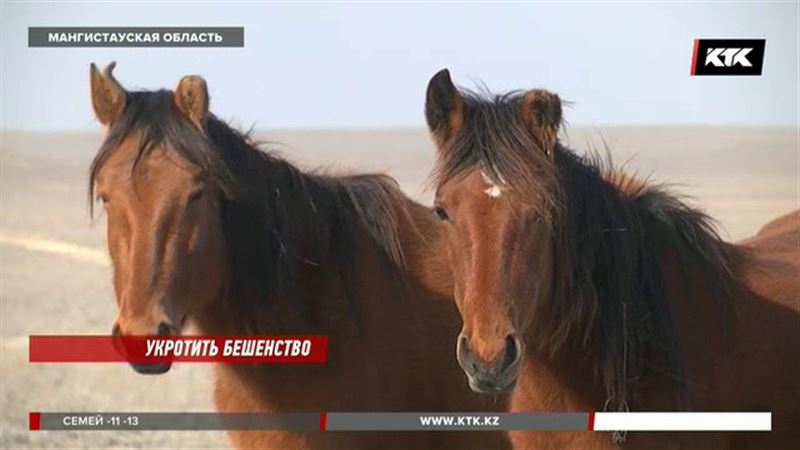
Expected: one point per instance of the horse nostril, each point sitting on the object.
(465, 357)
(164, 329)
(115, 330)
(513, 350)
(463, 344)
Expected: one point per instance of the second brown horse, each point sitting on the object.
(584, 289)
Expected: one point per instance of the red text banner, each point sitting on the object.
(161, 349)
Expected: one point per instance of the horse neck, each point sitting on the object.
(278, 272)
(424, 249)
(562, 381)
(633, 257)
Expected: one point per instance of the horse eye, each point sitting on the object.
(536, 218)
(440, 213)
(194, 196)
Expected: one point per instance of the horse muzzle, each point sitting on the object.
(498, 377)
(152, 368)
(156, 368)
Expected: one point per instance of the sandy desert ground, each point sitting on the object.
(54, 274)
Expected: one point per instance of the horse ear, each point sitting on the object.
(541, 112)
(108, 96)
(444, 107)
(191, 99)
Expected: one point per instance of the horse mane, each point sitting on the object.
(612, 234)
(275, 217)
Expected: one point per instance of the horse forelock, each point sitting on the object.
(495, 140)
(150, 116)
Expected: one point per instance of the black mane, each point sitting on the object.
(611, 237)
(276, 218)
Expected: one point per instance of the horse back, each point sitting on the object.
(774, 269)
(768, 330)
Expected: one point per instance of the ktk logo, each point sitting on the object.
(728, 56)
(732, 57)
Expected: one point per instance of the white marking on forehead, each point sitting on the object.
(494, 190)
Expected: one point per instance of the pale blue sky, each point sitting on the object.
(367, 65)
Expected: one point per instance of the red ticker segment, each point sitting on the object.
(159, 349)
(35, 421)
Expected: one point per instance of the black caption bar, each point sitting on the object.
(136, 37)
(334, 421)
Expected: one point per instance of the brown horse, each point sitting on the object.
(205, 227)
(587, 290)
